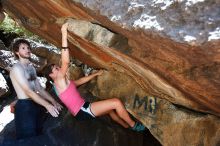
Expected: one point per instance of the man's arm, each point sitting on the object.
(17, 74)
(87, 78)
(46, 95)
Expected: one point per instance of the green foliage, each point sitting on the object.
(10, 26)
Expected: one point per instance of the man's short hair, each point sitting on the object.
(15, 46)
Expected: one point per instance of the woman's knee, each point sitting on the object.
(117, 102)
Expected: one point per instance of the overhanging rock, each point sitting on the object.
(183, 73)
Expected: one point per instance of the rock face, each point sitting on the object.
(67, 131)
(195, 22)
(170, 124)
(161, 58)
(181, 73)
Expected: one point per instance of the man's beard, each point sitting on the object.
(25, 57)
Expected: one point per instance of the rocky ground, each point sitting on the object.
(67, 131)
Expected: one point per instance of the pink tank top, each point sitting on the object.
(72, 99)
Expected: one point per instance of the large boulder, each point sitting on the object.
(66, 130)
(170, 124)
(177, 59)
(162, 58)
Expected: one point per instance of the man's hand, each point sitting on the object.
(52, 110)
(57, 106)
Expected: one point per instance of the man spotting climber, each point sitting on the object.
(31, 96)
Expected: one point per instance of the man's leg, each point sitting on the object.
(41, 118)
(25, 119)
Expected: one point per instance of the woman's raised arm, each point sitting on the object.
(65, 59)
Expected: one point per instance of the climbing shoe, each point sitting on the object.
(138, 127)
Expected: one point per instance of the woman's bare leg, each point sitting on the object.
(117, 119)
(105, 106)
